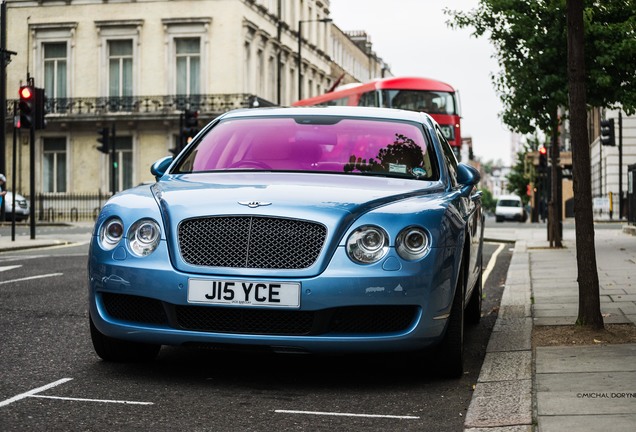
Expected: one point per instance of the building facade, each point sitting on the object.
(608, 181)
(134, 67)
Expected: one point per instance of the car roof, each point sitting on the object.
(345, 111)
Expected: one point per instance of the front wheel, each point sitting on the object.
(451, 350)
(117, 350)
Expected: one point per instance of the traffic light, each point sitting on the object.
(40, 108)
(607, 132)
(190, 125)
(27, 107)
(543, 159)
(104, 136)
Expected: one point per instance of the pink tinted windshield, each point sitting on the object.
(293, 144)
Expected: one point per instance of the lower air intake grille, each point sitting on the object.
(134, 308)
(345, 320)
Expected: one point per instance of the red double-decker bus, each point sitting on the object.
(410, 93)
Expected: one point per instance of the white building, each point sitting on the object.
(605, 163)
(135, 66)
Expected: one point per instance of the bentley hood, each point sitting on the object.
(321, 197)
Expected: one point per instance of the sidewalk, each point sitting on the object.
(23, 239)
(561, 388)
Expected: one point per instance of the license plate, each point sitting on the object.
(244, 293)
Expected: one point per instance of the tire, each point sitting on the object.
(499, 219)
(473, 308)
(451, 350)
(117, 350)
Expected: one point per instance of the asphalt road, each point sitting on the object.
(52, 380)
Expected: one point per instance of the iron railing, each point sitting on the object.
(157, 105)
(68, 207)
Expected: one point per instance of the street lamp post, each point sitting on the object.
(300, 46)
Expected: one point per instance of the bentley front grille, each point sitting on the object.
(250, 242)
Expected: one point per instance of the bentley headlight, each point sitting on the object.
(111, 233)
(144, 236)
(412, 243)
(368, 244)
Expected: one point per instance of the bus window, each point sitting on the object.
(369, 99)
(432, 102)
(335, 102)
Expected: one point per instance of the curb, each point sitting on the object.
(40, 244)
(502, 400)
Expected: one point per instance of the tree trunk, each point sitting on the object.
(589, 300)
(554, 208)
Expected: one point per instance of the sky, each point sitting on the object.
(413, 38)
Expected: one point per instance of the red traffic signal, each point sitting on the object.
(26, 92)
(543, 159)
(27, 106)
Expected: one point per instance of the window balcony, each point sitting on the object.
(143, 107)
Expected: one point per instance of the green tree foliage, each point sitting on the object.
(539, 71)
(530, 41)
(518, 180)
(488, 201)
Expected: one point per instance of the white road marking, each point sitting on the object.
(34, 391)
(92, 400)
(492, 262)
(5, 268)
(31, 278)
(346, 414)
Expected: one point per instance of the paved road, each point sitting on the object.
(52, 380)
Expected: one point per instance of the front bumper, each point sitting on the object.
(347, 308)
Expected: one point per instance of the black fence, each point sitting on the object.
(208, 104)
(49, 207)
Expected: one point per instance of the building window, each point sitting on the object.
(247, 78)
(123, 163)
(52, 46)
(54, 165)
(55, 66)
(187, 43)
(118, 75)
(260, 60)
(188, 62)
(120, 68)
(272, 78)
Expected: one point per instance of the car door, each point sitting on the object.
(471, 211)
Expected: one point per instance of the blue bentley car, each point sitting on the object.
(303, 230)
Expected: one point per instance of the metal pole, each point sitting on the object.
(113, 169)
(300, 61)
(620, 164)
(32, 178)
(3, 86)
(13, 167)
(279, 55)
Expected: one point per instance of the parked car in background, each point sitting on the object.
(299, 230)
(21, 207)
(510, 208)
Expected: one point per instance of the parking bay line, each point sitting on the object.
(346, 414)
(92, 400)
(492, 262)
(34, 393)
(31, 278)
